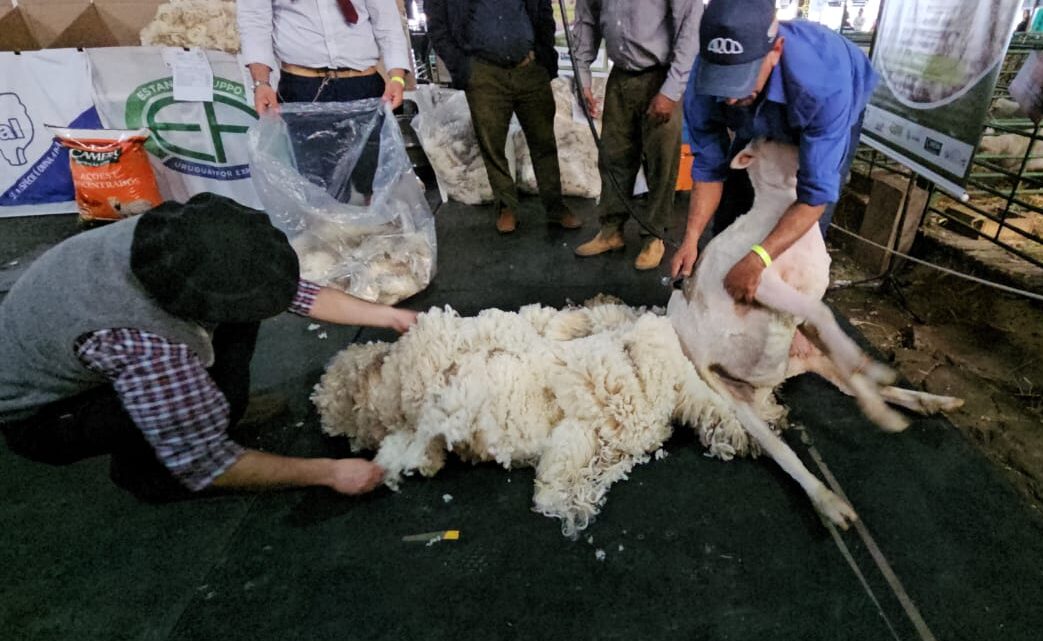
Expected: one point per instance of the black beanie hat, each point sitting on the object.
(213, 260)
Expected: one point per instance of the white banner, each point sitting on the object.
(37, 88)
(194, 146)
(939, 60)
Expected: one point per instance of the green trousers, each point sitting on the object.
(493, 95)
(629, 140)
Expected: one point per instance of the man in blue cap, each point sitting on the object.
(796, 82)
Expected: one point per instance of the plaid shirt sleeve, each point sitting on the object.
(170, 396)
(305, 297)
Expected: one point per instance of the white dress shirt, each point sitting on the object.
(314, 33)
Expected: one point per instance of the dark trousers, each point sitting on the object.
(94, 423)
(493, 95)
(303, 89)
(629, 140)
(737, 198)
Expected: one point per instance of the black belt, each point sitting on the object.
(529, 57)
(638, 72)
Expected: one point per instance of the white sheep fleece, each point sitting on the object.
(583, 394)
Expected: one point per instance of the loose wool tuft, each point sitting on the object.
(582, 394)
(208, 24)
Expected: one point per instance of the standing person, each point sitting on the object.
(326, 51)
(1024, 24)
(755, 77)
(501, 53)
(135, 339)
(652, 45)
(859, 23)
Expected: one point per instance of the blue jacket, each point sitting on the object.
(813, 99)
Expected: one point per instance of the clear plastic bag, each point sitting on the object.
(316, 166)
(443, 125)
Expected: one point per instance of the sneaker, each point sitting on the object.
(606, 240)
(651, 255)
(506, 222)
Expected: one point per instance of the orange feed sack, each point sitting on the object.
(110, 171)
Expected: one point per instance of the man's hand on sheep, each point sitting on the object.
(742, 281)
(355, 476)
(661, 109)
(334, 306)
(402, 319)
(684, 259)
(260, 470)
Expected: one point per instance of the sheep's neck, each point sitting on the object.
(769, 206)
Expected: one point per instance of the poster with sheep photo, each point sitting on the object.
(938, 61)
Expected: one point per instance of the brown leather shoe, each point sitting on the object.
(506, 222)
(565, 219)
(603, 242)
(651, 254)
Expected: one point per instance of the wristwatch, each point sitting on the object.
(258, 83)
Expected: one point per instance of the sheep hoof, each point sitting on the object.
(888, 419)
(833, 508)
(879, 373)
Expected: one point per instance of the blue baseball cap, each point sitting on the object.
(734, 37)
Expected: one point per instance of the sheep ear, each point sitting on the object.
(743, 159)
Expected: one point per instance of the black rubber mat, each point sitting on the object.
(687, 548)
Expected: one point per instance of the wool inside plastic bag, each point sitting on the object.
(336, 179)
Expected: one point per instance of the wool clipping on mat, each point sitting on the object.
(581, 394)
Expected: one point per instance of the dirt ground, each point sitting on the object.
(955, 337)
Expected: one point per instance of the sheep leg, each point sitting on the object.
(915, 401)
(863, 376)
(564, 487)
(828, 504)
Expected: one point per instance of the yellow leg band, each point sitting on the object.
(763, 253)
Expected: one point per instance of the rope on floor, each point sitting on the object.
(981, 281)
(882, 564)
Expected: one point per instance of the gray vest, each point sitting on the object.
(81, 285)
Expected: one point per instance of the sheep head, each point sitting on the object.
(772, 167)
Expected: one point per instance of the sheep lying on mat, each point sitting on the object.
(745, 351)
(581, 394)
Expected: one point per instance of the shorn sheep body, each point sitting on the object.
(581, 394)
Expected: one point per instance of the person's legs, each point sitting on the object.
(661, 148)
(491, 104)
(620, 155)
(534, 105)
(736, 199)
(294, 88)
(234, 345)
(87, 425)
(346, 90)
(661, 154)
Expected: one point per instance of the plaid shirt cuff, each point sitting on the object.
(304, 300)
